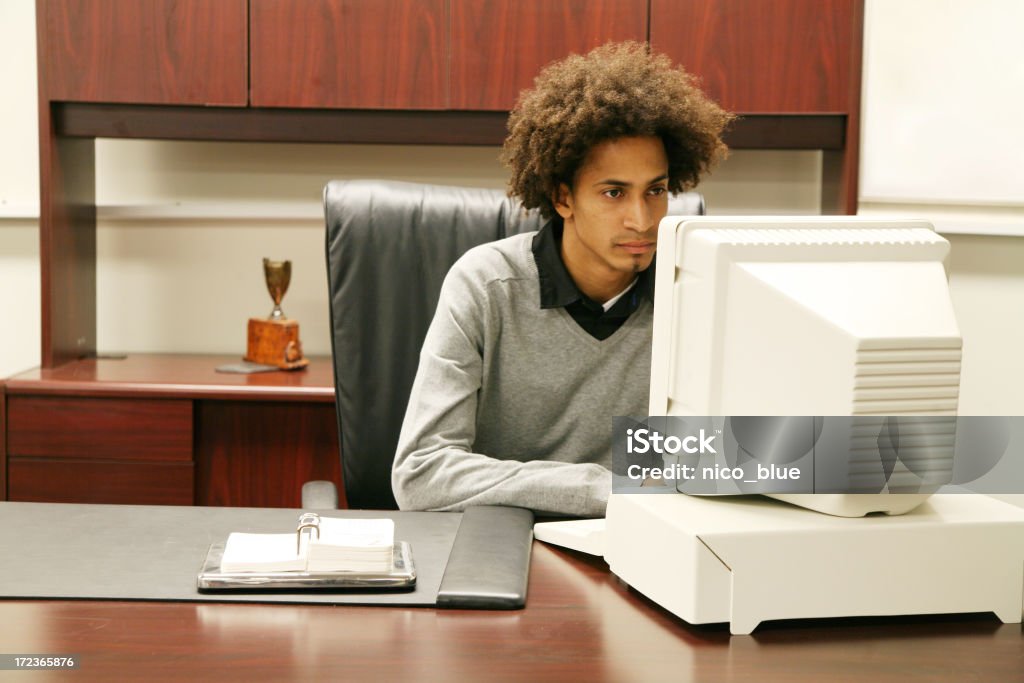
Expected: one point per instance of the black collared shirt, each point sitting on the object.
(558, 290)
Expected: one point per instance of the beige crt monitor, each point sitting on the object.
(808, 316)
(797, 317)
(812, 317)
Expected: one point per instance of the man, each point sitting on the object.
(541, 338)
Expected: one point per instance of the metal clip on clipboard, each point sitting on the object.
(308, 521)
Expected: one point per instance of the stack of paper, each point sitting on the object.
(355, 545)
(343, 545)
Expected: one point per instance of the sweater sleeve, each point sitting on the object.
(435, 467)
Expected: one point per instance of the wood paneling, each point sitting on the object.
(379, 54)
(3, 443)
(767, 131)
(144, 51)
(840, 169)
(498, 46)
(111, 429)
(60, 480)
(260, 454)
(764, 56)
(67, 243)
(283, 125)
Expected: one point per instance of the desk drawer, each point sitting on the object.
(65, 480)
(152, 430)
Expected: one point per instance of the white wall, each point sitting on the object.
(946, 92)
(186, 277)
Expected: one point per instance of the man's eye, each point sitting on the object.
(614, 193)
(657, 191)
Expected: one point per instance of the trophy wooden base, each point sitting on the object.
(275, 342)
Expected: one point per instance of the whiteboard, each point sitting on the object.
(943, 104)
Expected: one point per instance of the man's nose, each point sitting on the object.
(638, 215)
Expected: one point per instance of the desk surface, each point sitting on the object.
(174, 376)
(580, 623)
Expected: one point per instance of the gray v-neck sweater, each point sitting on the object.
(513, 404)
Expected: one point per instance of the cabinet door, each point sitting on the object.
(144, 51)
(764, 56)
(260, 453)
(378, 54)
(499, 46)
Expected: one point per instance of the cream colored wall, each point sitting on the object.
(19, 183)
(186, 277)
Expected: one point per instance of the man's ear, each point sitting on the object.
(563, 201)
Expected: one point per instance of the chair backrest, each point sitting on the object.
(389, 246)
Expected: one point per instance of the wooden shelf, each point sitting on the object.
(361, 126)
(176, 376)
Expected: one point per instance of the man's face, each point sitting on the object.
(611, 214)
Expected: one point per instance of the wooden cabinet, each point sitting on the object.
(167, 430)
(260, 453)
(792, 63)
(498, 46)
(384, 54)
(145, 51)
(421, 54)
(777, 57)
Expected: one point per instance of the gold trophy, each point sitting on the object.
(275, 340)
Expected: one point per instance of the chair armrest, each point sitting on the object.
(319, 495)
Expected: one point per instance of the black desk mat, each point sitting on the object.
(130, 552)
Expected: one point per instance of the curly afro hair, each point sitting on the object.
(617, 90)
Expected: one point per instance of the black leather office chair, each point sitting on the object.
(389, 246)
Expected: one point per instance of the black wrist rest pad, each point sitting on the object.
(136, 552)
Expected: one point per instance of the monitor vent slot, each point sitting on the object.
(913, 453)
(911, 379)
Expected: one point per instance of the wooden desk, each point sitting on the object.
(580, 623)
(167, 430)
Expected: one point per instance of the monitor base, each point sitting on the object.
(745, 560)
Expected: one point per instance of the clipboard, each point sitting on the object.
(401, 575)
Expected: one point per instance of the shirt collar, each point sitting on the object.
(557, 288)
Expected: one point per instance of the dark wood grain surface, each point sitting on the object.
(142, 375)
(839, 169)
(169, 429)
(384, 54)
(498, 46)
(259, 454)
(67, 242)
(783, 56)
(580, 624)
(145, 51)
(68, 480)
(3, 442)
(109, 428)
(759, 131)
